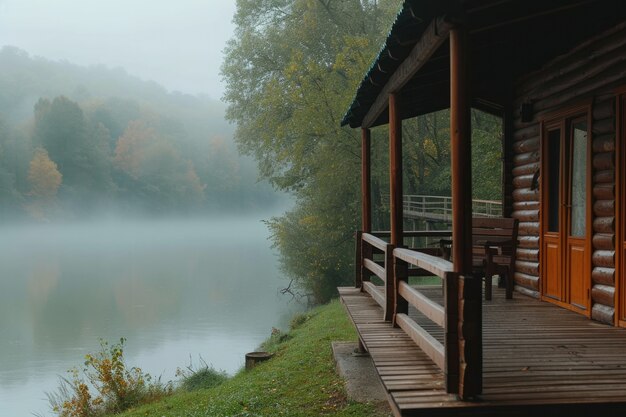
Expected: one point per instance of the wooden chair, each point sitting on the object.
(494, 244)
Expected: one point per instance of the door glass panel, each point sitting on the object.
(554, 178)
(578, 196)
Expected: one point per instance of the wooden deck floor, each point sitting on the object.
(539, 360)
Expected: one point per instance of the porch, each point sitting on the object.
(537, 358)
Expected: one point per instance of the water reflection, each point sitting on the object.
(173, 289)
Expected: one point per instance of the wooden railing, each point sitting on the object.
(439, 208)
(367, 266)
(393, 266)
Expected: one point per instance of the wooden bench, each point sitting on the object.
(494, 244)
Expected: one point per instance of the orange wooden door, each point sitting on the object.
(552, 209)
(566, 246)
(578, 254)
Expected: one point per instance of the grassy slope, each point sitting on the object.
(299, 381)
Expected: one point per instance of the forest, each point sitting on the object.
(80, 142)
(291, 72)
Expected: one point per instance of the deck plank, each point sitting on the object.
(537, 358)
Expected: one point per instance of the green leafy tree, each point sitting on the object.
(156, 168)
(78, 148)
(291, 71)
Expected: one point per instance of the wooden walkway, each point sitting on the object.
(539, 360)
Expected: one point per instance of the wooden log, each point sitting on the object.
(527, 132)
(526, 145)
(612, 76)
(603, 161)
(599, 45)
(603, 276)
(606, 176)
(603, 294)
(604, 143)
(525, 194)
(527, 292)
(527, 281)
(604, 208)
(604, 109)
(576, 66)
(604, 241)
(528, 268)
(603, 127)
(528, 169)
(604, 225)
(528, 242)
(603, 258)
(603, 96)
(528, 254)
(523, 181)
(528, 229)
(526, 215)
(525, 158)
(525, 205)
(604, 191)
(602, 313)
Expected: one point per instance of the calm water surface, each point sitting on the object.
(175, 290)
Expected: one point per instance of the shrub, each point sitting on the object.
(117, 387)
(200, 378)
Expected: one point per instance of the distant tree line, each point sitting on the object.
(84, 154)
(292, 69)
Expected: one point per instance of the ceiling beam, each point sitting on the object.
(435, 34)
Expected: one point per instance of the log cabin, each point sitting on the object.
(555, 72)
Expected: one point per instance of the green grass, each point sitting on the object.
(300, 380)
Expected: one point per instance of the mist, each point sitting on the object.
(126, 209)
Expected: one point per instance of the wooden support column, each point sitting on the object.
(366, 181)
(395, 171)
(461, 149)
(469, 288)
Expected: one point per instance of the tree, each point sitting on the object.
(156, 168)
(79, 149)
(291, 71)
(43, 176)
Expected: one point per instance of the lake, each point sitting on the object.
(174, 289)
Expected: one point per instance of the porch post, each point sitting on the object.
(460, 149)
(469, 288)
(395, 171)
(366, 181)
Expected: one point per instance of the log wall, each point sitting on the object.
(592, 72)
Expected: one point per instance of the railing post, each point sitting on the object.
(451, 339)
(390, 288)
(367, 252)
(358, 261)
(470, 337)
(401, 273)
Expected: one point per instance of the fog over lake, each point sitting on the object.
(174, 289)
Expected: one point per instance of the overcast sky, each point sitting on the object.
(177, 43)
